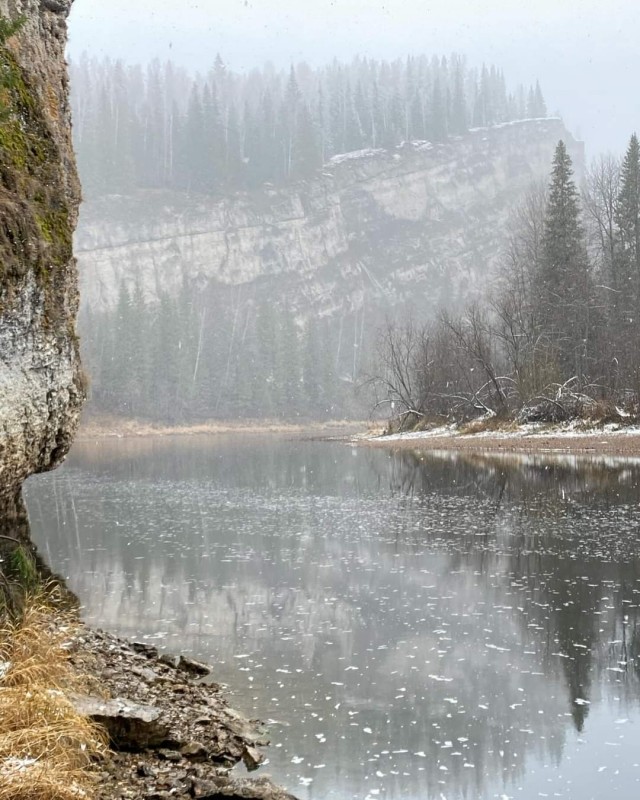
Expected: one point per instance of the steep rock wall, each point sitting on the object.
(422, 224)
(41, 389)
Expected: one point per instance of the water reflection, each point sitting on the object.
(412, 625)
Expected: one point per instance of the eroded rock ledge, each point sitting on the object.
(41, 384)
(174, 734)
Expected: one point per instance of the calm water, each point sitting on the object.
(410, 627)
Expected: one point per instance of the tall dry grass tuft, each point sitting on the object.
(46, 747)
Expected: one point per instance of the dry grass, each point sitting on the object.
(488, 424)
(46, 747)
(107, 426)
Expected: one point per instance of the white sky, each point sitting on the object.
(585, 53)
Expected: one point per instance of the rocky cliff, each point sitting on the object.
(41, 389)
(422, 223)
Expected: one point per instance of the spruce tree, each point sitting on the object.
(563, 281)
(625, 268)
(628, 219)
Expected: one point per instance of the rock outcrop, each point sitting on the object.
(174, 736)
(157, 708)
(41, 384)
(422, 223)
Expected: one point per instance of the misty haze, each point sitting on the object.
(357, 349)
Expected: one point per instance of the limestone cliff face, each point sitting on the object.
(41, 390)
(422, 224)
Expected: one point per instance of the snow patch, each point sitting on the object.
(355, 155)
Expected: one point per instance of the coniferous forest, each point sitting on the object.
(558, 336)
(201, 355)
(193, 358)
(160, 128)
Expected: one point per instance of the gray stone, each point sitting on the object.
(41, 385)
(130, 726)
(147, 675)
(145, 649)
(252, 758)
(195, 752)
(193, 667)
(227, 788)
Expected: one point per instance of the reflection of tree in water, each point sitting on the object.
(560, 598)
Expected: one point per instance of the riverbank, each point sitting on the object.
(172, 731)
(84, 714)
(570, 438)
(110, 427)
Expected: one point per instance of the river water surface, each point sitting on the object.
(409, 625)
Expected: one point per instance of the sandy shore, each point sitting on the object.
(605, 441)
(107, 427)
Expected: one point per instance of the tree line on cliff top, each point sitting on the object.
(157, 127)
(558, 334)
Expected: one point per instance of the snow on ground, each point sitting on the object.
(574, 429)
(355, 155)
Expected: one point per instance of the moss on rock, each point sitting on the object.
(35, 224)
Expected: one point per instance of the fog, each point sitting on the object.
(584, 53)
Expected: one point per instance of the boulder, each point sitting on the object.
(192, 667)
(130, 726)
(226, 788)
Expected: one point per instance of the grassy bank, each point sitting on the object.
(47, 749)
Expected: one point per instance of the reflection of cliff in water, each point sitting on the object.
(467, 613)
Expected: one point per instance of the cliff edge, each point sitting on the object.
(41, 384)
(421, 223)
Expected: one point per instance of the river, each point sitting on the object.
(409, 625)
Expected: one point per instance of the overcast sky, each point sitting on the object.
(585, 53)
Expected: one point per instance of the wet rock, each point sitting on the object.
(225, 788)
(193, 667)
(130, 726)
(145, 649)
(252, 758)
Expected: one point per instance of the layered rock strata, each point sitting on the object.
(423, 223)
